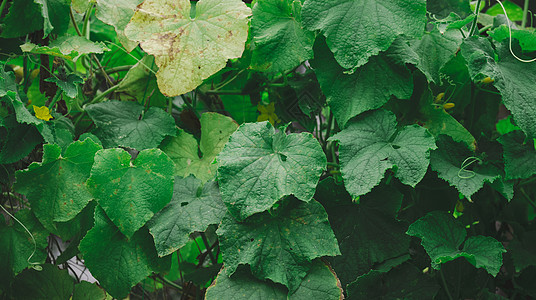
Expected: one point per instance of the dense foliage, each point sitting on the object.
(279, 149)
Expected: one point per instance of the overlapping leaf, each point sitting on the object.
(131, 193)
(126, 124)
(371, 145)
(184, 149)
(193, 207)
(373, 84)
(319, 283)
(56, 187)
(17, 246)
(119, 263)
(259, 166)
(278, 247)
(55, 15)
(281, 43)
(189, 49)
(118, 13)
(442, 236)
(519, 156)
(351, 26)
(368, 233)
(49, 283)
(460, 167)
(513, 79)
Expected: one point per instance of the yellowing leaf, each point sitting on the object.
(188, 49)
(42, 113)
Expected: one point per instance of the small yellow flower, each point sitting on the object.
(448, 105)
(487, 80)
(42, 113)
(267, 113)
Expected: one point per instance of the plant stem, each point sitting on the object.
(169, 282)
(474, 26)
(225, 92)
(2, 6)
(117, 69)
(525, 14)
(443, 281)
(209, 249)
(74, 22)
(100, 97)
(527, 198)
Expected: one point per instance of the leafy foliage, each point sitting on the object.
(271, 149)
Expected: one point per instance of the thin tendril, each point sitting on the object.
(35, 265)
(465, 164)
(510, 40)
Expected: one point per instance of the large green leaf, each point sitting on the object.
(281, 43)
(442, 236)
(351, 26)
(16, 140)
(435, 49)
(371, 144)
(184, 149)
(319, 283)
(373, 84)
(69, 47)
(404, 282)
(126, 124)
(443, 8)
(523, 250)
(279, 247)
(119, 263)
(526, 38)
(18, 246)
(49, 283)
(459, 166)
(118, 13)
(189, 48)
(131, 192)
(519, 156)
(513, 79)
(368, 232)
(194, 207)
(56, 187)
(88, 291)
(258, 166)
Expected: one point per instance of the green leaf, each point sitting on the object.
(404, 282)
(460, 167)
(371, 144)
(526, 38)
(513, 79)
(244, 286)
(139, 84)
(519, 156)
(68, 47)
(118, 13)
(49, 283)
(131, 192)
(127, 124)
(55, 16)
(369, 88)
(278, 247)
(116, 262)
(443, 8)
(319, 283)
(281, 43)
(193, 207)
(197, 159)
(17, 245)
(56, 187)
(435, 49)
(442, 236)
(20, 12)
(368, 232)
(88, 291)
(515, 13)
(259, 166)
(351, 26)
(523, 250)
(69, 84)
(17, 140)
(189, 49)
